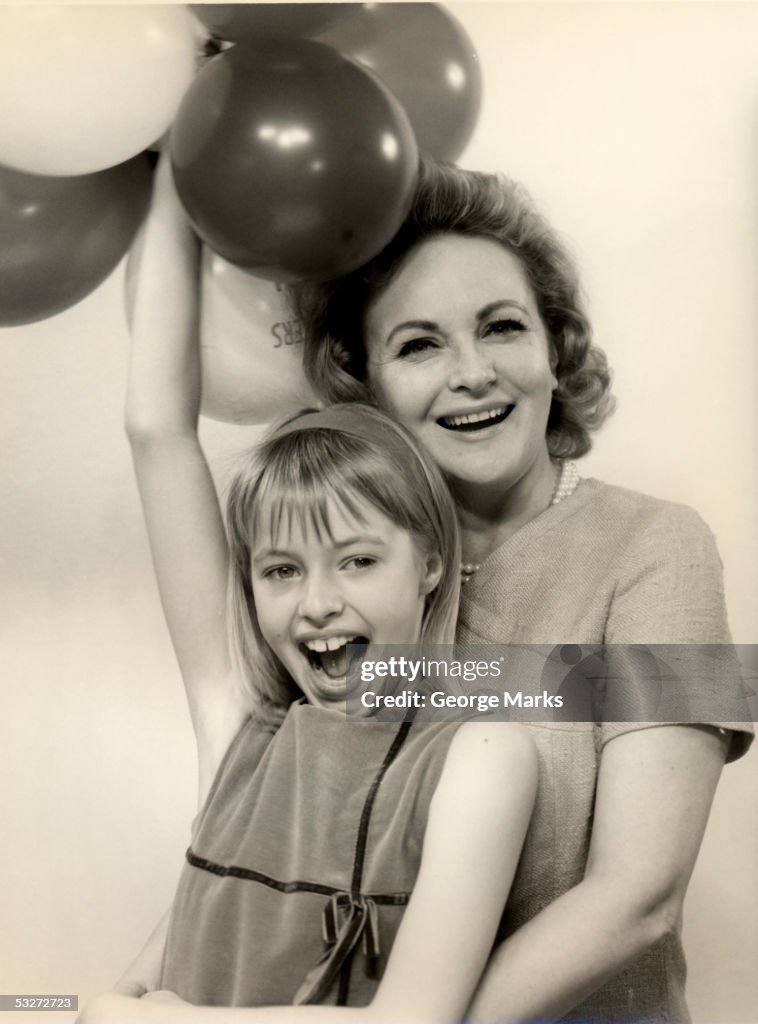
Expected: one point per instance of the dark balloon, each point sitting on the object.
(427, 60)
(60, 237)
(237, 21)
(291, 160)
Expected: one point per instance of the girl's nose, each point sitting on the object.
(320, 599)
(472, 368)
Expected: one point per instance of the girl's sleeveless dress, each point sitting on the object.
(303, 860)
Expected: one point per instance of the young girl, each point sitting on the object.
(362, 866)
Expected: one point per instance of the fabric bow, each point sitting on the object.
(347, 918)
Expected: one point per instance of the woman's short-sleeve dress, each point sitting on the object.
(303, 860)
(604, 566)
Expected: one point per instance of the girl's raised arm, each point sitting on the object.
(477, 822)
(179, 499)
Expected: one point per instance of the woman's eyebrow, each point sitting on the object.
(493, 307)
(417, 325)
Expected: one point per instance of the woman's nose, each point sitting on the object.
(321, 598)
(472, 368)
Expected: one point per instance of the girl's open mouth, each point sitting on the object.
(330, 655)
(477, 420)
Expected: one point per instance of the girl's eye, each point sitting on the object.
(415, 347)
(280, 572)
(360, 562)
(504, 325)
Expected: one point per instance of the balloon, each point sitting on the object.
(61, 237)
(86, 87)
(236, 21)
(251, 347)
(250, 344)
(291, 160)
(428, 62)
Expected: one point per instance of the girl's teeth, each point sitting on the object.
(330, 653)
(332, 643)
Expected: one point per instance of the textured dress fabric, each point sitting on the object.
(303, 860)
(605, 566)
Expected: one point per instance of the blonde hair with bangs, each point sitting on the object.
(292, 477)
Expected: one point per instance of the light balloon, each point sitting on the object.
(86, 87)
(251, 347)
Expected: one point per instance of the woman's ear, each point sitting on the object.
(432, 572)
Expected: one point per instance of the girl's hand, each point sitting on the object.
(117, 1008)
(163, 995)
(131, 987)
(109, 1008)
(165, 201)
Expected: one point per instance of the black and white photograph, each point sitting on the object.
(332, 333)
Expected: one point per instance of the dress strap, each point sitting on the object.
(350, 915)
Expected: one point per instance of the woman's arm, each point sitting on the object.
(654, 794)
(477, 823)
(144, 974)
(655, 789)
(179, 500)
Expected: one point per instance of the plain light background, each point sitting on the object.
(635, 125)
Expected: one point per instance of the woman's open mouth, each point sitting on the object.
(477, 420)
(329, 655)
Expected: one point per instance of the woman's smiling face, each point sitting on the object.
(457, 351)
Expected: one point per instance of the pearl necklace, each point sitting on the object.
(566, 483)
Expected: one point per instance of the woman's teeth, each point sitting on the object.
(476, 420)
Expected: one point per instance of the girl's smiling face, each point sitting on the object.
(358, 579)
(457, 351)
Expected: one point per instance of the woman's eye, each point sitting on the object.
(504, 325)
(415, 347)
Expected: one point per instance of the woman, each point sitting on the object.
(469, 329)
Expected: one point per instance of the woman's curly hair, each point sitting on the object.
(450, 200)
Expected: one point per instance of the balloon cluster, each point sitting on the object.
(294, 148)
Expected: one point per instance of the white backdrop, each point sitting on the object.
(635, 127)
